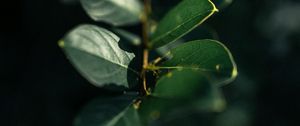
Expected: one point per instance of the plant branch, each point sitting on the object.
(147, 10)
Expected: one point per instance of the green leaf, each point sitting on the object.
(189, 84)
(95, 53)
(109, 111)
(131, 39)
(166, 48)
(203, 32)
(210, 57)
(185, 84)
(181, 92)
(115, 12)
(152, 109)
(186, 16)
(221, 4)
(69, 2)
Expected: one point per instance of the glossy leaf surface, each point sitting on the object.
(95, 53)
(210, 57)
(109, 111)
(180, 93)
(187, 15)
(115, 12)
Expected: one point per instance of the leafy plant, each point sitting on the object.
(185, 79)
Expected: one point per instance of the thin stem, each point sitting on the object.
(144, 70)
(147, 9)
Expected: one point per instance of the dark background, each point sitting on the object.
(39, 87)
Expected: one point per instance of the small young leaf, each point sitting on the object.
(115, 12)
(97, 56)
(210, 57)
(221, 4)
(131, 39)
(179, 21)
(109, 111)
